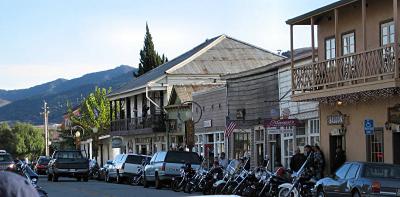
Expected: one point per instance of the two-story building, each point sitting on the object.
(140, 114)
(355, 79)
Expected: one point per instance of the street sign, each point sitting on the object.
(369, 126)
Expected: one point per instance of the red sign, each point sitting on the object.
(281, 123)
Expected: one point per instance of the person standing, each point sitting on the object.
(297, 160)
(319, 162)
(223, 161)
(340, 158)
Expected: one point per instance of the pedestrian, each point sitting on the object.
(319, 162)
(14, 185)
(309, 168)
(223, 161)
(340, 158)
(297, 160)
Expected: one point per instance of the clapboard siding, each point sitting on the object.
(214, 97)
(252, 93)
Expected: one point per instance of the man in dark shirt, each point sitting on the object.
(297, 160)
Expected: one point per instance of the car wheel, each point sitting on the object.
(85, 179)
(79, 179)
(145, 183)
(157, 182)
(321, 193)
(356, 194)
(54, 178)
(49, 177)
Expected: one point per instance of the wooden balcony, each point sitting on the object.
(365, 71)
(139, 125)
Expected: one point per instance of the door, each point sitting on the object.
(260, 154)
(334, 143)
(396, 146)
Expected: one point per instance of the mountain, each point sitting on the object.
(26, 104)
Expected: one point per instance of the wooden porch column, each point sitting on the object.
(291, 58)
(396, 39)
(312, 40)
(364, 36)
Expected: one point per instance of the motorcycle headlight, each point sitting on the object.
(34, 181)
(11, 166)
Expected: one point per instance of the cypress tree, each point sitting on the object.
(149, 58)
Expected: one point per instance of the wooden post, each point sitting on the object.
(312, 40)
(337, 39)
(396, 39)
(364, 36)
(292, 58)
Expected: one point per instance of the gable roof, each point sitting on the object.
(218, 55)
(184, 92)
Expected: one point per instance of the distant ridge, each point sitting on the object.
(25, 104)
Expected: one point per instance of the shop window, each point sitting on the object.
(375, 151)
(241, 144)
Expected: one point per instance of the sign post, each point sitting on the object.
(369, 126)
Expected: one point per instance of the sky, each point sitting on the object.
(44, 40)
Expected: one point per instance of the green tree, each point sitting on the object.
(7, 138)
(149, 58)
(94, 112)
(29, 141)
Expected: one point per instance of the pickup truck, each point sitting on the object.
(68, 164)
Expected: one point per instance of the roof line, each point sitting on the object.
(257, 47)
(319, 11)
(197, 54)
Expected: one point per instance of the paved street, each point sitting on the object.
(67, 187)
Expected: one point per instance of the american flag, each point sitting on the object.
(229, 129)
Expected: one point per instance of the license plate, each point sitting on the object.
(72, 170)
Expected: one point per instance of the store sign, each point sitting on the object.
(338, 132)
(189, 133)
(394, 114)
(278, 131)
(281, 123)
(336, 119)
(116, 143)
(207, 123)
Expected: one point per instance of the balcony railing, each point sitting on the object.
(347, 70)
(155, 122)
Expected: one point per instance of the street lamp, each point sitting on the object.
(77, 136)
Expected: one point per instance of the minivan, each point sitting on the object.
(125, 166)
(165, 165)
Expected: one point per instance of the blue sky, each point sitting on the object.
(43, 40)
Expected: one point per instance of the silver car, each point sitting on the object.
(361, 179)
(165, 165)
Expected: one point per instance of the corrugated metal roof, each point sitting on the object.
(217, 56)
(160, 70)
(184, 92)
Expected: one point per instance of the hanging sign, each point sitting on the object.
(336, 118)
(281, 123)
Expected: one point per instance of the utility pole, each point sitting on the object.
(46, 121)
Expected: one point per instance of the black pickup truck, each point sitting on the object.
(68, 164)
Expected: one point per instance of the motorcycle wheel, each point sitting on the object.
(230, 188)
(218, 189)
(284, 192)
(175, 185)
(135, 180)
(321, 194)
(188, 188)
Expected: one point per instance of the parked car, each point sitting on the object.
(104, 170)
(361, 179)
(68, 164)
(41, 165)
(124, 167)
(6, 161)
(165, 165)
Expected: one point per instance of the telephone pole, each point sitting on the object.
(46, 122)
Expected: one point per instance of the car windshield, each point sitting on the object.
(182, 157)
(43, 161)
(135, 159)
(69, 155)
(5, 158)
(382, 171)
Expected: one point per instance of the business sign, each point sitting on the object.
(207, 123)
(336, 118)
(338, 132)
(369, 126)
(281, 123)
(278, 131)
(116, 143)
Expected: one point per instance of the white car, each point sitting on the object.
(125, 166)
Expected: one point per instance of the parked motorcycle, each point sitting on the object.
(24, 170)
(196, 182)
(138, 179)
(301, 185)
(94, 169)
(212, 176)
(179, 183)
(220, 187)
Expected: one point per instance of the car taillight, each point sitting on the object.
(376, 187)
(163, 167)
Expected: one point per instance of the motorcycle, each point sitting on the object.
(179, 183)
(24, 170)
(212, 176)
(270, 186)
(301, 185)
(255, 183)
(196, 182)
(220, 187)
(94, 169)
(138, 179)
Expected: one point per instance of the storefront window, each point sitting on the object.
(241, 144)
(375, 146)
